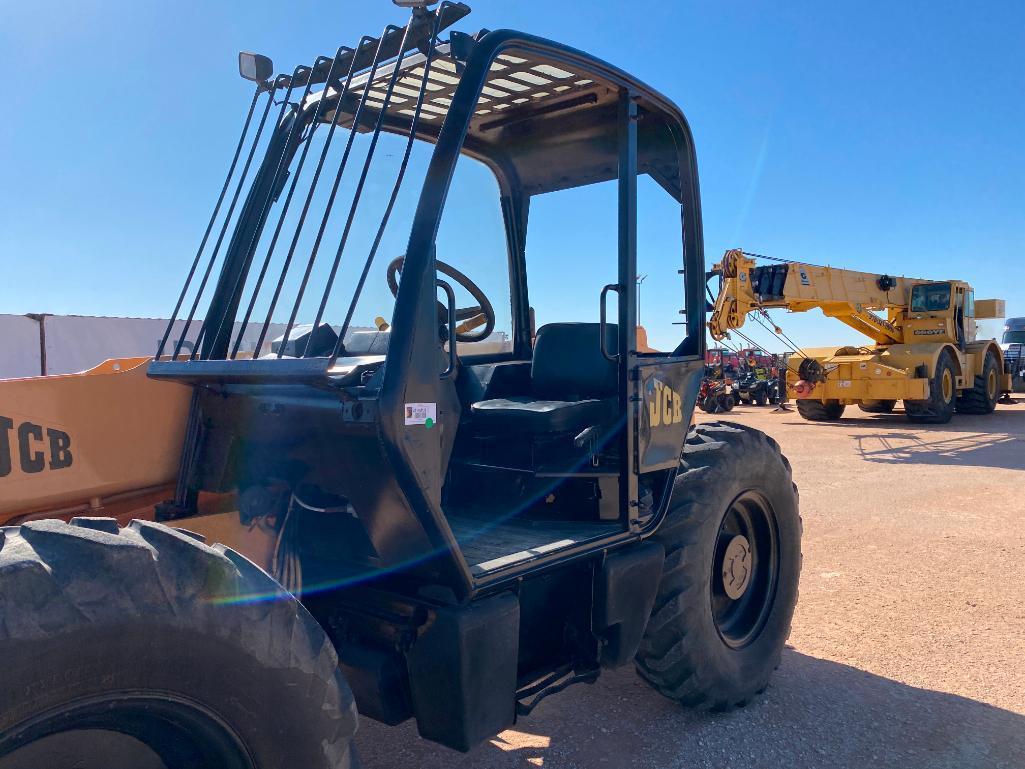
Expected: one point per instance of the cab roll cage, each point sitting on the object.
(619, 127)
(353, 96)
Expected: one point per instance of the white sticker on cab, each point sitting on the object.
(422, 414)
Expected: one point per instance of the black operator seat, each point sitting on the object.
(573, 386)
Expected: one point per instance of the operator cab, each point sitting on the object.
(425, 317)
(951, 304)
(930, 297)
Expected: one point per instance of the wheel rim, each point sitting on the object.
(948, 386)
(141, 730)
(991, 385)
(745, 570)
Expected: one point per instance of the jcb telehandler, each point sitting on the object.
(420, 517)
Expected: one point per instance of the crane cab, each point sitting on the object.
(941, 312)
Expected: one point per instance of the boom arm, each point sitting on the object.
(849, 296)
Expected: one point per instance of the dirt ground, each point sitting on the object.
(908, 648)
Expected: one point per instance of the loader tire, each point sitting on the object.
(982, 398)
(877, 407)
(716, 633)
(819, 411)
(142, 647)
(939, 407)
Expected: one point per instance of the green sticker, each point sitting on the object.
(429, 423)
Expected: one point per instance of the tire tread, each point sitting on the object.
(976, 400)
(817, 411)
(56, 576)
(668, 658)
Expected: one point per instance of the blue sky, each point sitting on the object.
(877, 136)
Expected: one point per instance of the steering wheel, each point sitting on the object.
(469, 319)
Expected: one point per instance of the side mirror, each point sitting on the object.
(255, 67)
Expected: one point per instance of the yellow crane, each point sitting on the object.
(923, 351)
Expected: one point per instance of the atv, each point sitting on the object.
(716, 396)
(752, 390)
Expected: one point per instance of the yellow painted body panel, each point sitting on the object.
(866, 376)
(889, 373)
(990, 308)
(80, 439)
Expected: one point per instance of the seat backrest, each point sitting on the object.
(568, 363)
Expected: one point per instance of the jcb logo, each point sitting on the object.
(34, 446)
(664, 404)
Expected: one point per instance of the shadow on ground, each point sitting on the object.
(815, 714)
(978, 449)
(995, 440)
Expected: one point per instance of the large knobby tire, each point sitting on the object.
(143, 647)
(877, 407)
(819, 411)
(939, 407)
(702, 647)
(982, 398)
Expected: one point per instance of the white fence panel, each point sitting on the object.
(19, 347)
(78, 342)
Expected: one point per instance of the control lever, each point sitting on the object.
(589, 437)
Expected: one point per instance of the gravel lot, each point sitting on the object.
(908, 648)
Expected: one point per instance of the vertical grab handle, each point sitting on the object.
(451, 295)
(603, 324)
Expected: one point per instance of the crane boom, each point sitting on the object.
(849, 296)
